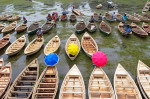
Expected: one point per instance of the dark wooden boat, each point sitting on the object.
(21, 28)
(137, 30)
(96, 17)
(2, 26)
(64, 19)
(73, 17)
(47, 27)
(80, 27)
(109, 17)
(146, 28)
(132, 18)
(146, 15)
(119, 17)
(144, 19)
(122, 30)
(90, 29)
(4, 41)
(104, 28)
(23, 85)
(47, 85)
(33, 28)
(77, 12)
(5, 79)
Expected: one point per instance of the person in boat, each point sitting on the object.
(54, 17)
(127, 29)
(64, 16)
(100, 17)
(124, 17)
(92, 19)
(39, 33)
(114, 15)
(73, 7)
(24, 20)
(49, 17)
(110, 4)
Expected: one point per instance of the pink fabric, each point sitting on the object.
(99, 58)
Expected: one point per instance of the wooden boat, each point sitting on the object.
(10, 27)
(23, 85)
(122, 30)
(138, 30)
(4, 41)
(80, 27)
(109, 17)
(16, 46)
(47, 27)
(2, 26)
(73, 18)
(124, 85)
(143, 74)
(72, 39)
(1, 63)
(77, 12)
(33, 28)
(90, 28)
(64, 19)
(146, 7)
(141, 18)
(73, 85)
(132, 18)
(52, 46)
(99, 6)
(146, 15)
(96, 17)
(5, 79)
(146, 27)
(47, 85)
(3, 17)
(14, 18)
(119, 17)
(99, 85)
(34, 46)
(104, 28)
(21, 28)
(89, 45)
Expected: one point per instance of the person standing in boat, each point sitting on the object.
(114, 15)
(72, 7)
(92, 19)
(39, 33)
(54, 19)
(24, 20)
(100, 17)
(124, 17)
(49, 18)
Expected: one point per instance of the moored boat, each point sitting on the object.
(47, 27)
(92, 27)
(132, 18)
(119, 17)
(96, 17)
(1, 63)
(105, 28)
(33, 28)
(77, 12)
(73, 17)
(109, 17)
(4, 41)
(2, 26)
(3, 17)
(80, 27)
(146, 28)
(21, 28)
(13, 18)
(10, 27)
(146, 15)
(144, 19)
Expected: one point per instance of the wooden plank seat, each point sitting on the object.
(20, 92)
(101, 92)
(23, 86)
(16, 98)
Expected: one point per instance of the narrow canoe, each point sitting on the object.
(72, 39)
(1, 63)
(5, 79)
(34, 46)
(96, 17)
(3, 17)
(10, 27)
(89, 45)
(73, 85)
(14, 18)
(23, 85)
(2, 26)
(132, 18)
(47, 27)
(99, 85)
(146, 28)
(47, 85)
(16, 46)
(90, 28)
(4, 41)
(21, 28)
(119, 17)
(105, 28)
(109, 17)
(137, 30)
(80, 27)
(73, 18)
(52, 46)
(33, 28)
(64, 19)
(77, 12)
(122, 30)
(146, 15)
(124, 85)
(143, 74)
(144, 19)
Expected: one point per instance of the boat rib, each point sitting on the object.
(16, 46)
(52, 46)
(23, 85)
(124, 85)
(99, 85)
(73, 85)
(4, 41)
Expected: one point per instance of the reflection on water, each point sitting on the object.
(126, 51)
